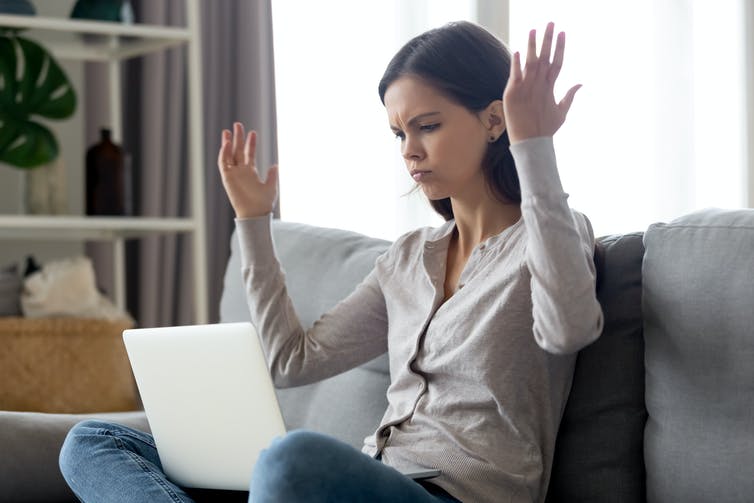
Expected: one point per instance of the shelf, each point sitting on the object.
(88, 228)
(111, 42)
(96, 40)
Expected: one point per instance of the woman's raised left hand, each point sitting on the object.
(529, 101)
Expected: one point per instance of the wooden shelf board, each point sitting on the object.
(94, 228)
(96, 40)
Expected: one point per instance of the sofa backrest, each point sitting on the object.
(694, 286)
(322, 267)
(599, 448)
(698, 301)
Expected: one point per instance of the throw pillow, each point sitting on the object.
(598, 452)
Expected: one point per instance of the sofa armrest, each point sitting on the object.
(29, 446)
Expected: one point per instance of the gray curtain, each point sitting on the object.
(238, 84)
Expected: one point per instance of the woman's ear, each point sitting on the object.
(493, 120)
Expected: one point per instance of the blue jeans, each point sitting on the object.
(105, 462)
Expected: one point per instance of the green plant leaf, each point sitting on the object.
(9, 130)
(7, 73)
(31, 145)
(47, 93)
(41, 90)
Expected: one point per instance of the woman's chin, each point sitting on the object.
(434, 195)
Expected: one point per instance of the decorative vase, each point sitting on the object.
(107, 187)
(45, 190)
(117, 11)
(104, 10)
(17, 7)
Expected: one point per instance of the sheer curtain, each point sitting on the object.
(238, 84)
(659, 128)
(339, 162)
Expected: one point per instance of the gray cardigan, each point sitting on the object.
(479, 383)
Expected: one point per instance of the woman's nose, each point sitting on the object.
(412, 149)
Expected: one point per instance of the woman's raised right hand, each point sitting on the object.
(248, 194)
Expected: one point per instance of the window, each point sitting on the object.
(340, 165)
(659, 128)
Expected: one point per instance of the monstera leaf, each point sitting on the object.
(31, 84)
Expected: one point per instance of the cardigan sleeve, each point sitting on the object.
(560, 248)
(352, 333)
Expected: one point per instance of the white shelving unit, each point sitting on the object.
(110, 43)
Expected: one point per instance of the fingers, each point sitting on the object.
(544, 55)
(516, 75)
(534, 63)
(539, 69)
(565, 103)
(272, 176)
(531, 50)
(238, 137)
(557, 60)
(250, 148)
(235, 152)
(224, 156)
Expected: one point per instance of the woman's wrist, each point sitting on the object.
(247, 215)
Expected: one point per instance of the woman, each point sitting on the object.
(481, 317)
(464, 310)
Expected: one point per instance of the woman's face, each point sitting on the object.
(443, 143)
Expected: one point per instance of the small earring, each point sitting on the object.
(492, 139)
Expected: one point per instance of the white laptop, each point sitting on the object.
(210, 401)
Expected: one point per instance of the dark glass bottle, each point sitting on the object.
(107, 178)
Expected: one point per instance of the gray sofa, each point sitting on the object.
(661, 408)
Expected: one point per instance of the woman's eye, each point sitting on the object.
(429, 127)
(399, 136)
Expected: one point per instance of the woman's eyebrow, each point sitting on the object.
(414, 119)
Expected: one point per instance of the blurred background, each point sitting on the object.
(660, 128)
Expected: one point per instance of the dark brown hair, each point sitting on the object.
(471, 67)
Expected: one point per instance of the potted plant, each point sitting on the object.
(32, 84)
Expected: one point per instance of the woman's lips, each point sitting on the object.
(420, 175)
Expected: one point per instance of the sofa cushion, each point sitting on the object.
(698, 297)
(598, 452)
(322, 266)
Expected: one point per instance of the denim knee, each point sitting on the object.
(299, 442)
(293, 451)
(289, 460)
(75, 450)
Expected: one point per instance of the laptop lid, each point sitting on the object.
(209, 399)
